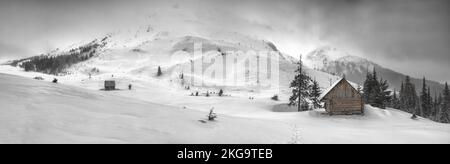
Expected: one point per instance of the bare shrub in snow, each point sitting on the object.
(274, 97)
(159, 71)
(221, 92)
(212, 116)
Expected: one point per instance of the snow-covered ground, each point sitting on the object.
(34, 111)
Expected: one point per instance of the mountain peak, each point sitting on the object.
(338, 62)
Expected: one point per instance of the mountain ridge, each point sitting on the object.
(355, 69)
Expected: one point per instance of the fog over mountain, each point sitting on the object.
(395, 34)
(354, 68)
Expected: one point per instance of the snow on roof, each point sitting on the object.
(334, 85)
(329, 89)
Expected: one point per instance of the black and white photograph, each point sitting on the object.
(224, 72)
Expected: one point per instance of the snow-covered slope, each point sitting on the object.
(56, 113)
(339, 62)
(42, 112)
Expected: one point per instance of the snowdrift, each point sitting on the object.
(36, 111)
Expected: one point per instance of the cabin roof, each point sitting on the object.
(110, 82)
(325, 93)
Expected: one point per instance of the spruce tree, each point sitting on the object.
(434, 111)
(315, 94)
(395, 102)
(401, 98)
(367, 87)
(429, 103)
(439, 102)
(159, 71)
(220, 92)
(445, 107)
(408, 97)
(375, 91)
(182, 79)
(300, 88)
(423, 100)
(384, 97)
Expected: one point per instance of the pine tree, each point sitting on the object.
(395, 102)
(435, 107)
(439, 102)
(384, 95)
(429, 103)
(408, 97)
(182, 79)
(315, 94)
(401, 98)
(300, 88)
(423, 100)
(375, 92)
(220, 92)
(367, 87)
(445, 107)
(159, 71)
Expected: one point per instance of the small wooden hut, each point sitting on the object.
(110, 85)
(342, 98)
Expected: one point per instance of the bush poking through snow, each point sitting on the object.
(207, 93)
(38, 78)
(55, 80)
(221, 92)
(274, 98)
(212, 116)
(159, 71)
(414, 117)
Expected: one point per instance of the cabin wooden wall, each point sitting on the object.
(343, 99)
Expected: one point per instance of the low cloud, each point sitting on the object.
(386, 31)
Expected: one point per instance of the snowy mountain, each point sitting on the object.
(135, 54)
(338, 62)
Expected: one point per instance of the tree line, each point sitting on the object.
(56, 64)
(376, 93)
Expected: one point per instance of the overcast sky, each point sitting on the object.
(409, 36)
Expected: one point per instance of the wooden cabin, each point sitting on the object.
(110, 85)
(342, 98)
